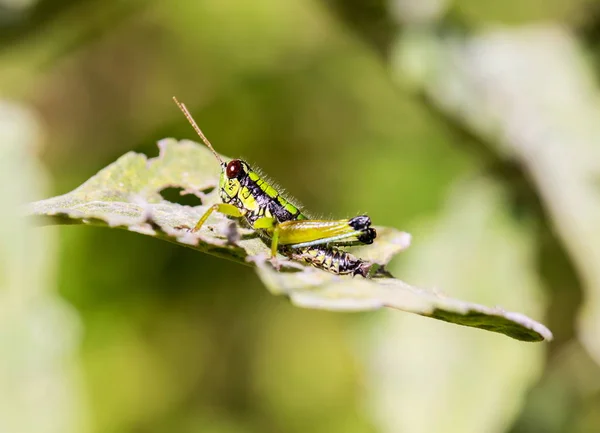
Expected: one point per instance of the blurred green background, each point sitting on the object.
(473, 125)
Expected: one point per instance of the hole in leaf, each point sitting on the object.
(208, 190)
(173, 195)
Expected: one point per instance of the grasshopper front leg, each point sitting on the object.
(224, 208)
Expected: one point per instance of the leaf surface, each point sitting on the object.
(126, 194)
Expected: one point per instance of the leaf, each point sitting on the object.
(126, 194)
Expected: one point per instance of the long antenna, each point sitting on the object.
(190, 119)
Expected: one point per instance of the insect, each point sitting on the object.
(245, 195)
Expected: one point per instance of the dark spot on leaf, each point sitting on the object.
(173, 195)
(291, 270)
(183, 227)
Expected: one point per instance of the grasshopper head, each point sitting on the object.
(232, 175)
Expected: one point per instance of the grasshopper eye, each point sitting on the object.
(233, 168)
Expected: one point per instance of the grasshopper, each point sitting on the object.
(245, 195)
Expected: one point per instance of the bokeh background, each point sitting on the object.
(473, 125)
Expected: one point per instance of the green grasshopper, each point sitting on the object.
(244, 194)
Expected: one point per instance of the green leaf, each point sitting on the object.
(126, 194)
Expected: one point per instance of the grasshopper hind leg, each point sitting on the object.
(310, 233)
